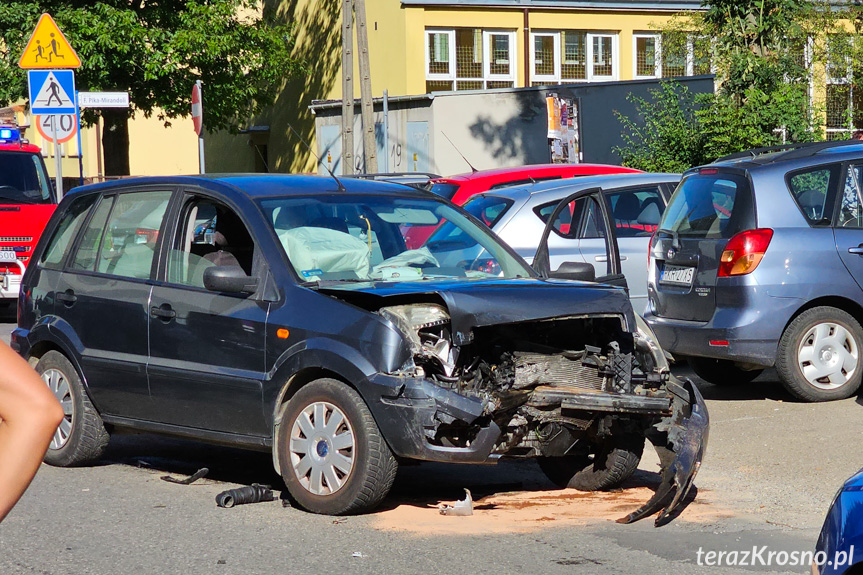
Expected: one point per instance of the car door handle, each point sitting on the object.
(164, 312)
(68, 297)
(858, 250)
(605, 258)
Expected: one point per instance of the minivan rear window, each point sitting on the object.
(717, 205)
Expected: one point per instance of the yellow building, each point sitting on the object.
(420, 46)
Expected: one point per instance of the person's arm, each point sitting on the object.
(29, 415)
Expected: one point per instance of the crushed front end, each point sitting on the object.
(579, 392)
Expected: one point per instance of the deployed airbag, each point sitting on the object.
(316, 251)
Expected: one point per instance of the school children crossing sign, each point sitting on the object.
(48, 48)
(52, 91)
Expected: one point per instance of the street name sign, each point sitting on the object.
(48, 48)
(52, 91)
(103, 99)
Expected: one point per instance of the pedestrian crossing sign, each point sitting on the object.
(48, 48)
(52, 91)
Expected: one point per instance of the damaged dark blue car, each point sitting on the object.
(294, 315)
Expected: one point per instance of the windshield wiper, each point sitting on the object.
(675, 237)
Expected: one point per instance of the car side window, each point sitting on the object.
(592, 226)
(91, 239)
(637, 211)
(209, 234)
(811, 188)
(67, 230)
(851, 209)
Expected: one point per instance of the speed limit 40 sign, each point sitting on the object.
(65, 124)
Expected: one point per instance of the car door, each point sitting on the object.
(636, 212)
(848, 227)
(102, 297)
(588, 208)
(206, 363)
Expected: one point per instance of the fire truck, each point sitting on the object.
(27, 200)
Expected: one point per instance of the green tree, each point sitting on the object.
(156, 50)
(762, 83)
(665, 137)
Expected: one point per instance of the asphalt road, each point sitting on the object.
(772, 467)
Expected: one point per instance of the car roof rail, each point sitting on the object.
(788, 151)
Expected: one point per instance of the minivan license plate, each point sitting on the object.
(677, 275)
(8, 256)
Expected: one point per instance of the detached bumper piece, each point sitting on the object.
(680, 441)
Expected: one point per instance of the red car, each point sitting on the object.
(458, 189)
(27, 201)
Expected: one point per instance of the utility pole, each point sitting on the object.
(347, 87)
(366, 106)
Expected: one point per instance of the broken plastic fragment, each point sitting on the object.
(463, 507)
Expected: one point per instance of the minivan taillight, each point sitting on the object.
(743, 252)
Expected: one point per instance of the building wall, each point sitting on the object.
(396, 33)
(154, 150)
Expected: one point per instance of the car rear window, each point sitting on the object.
(810, 188)
(710, 205)
(444, 190)
(488, 209)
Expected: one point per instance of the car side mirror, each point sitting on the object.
(582, 271)
(229, 279)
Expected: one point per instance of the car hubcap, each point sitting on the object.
(322, 448)
(828, 356)
(59, 386)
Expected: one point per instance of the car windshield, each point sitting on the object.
(349, 237)
(23, 179)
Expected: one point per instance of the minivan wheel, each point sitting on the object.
(819, 355)
(613, 463)
(81, 437)
(332, 455)
(721, 371)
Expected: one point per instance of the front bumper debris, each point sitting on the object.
(680, 441)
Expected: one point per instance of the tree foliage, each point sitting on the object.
(757, 50)
(157, 49)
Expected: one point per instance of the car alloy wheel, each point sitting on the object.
(322, 448)
(56, 381)
(828, 356)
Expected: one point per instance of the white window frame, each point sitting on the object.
(554, 78)
(450, 76)
(657, 64)
(486, 57)
(615, 59)
(588, 55)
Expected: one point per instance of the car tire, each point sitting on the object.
(353, 455)
(721, 371)
(81, 437)
(823, 341)
(613, 463)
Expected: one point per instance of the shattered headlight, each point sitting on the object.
(410, 319)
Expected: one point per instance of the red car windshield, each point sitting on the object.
(23, 179)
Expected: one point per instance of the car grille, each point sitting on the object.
(554, 370)
(19, 239)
